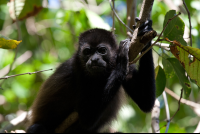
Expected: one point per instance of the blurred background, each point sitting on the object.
(49, 32)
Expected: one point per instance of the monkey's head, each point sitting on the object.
(97, 51)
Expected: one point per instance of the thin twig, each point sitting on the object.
(19, 36)
(167, 111)
(189, 21)
(118, 16)
(6, 77)
(20, 60)
(156, 40)
(113, 27)
(179, 103)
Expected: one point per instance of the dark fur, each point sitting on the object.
(97, 98)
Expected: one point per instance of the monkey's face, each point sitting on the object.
(96, 58)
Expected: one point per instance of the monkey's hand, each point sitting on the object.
(119, 73)
(123, 58)
(144, 28)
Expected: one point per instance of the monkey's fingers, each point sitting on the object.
(145, 27)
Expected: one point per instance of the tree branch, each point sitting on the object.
(136, 45)
(155, 41)
(184, 101)
(6, 77)
(155, 117)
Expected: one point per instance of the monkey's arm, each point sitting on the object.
(140, 84)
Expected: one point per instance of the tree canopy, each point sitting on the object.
(37, 35)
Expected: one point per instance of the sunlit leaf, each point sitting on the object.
(182, 53)
(96, 21)
(180, 72)
(24, 8)
(7, 43)
(175, 28)
(160, 80)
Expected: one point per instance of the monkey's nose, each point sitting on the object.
(94, 62)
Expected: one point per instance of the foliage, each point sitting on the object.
(175, 29)
(7, 43)
(183, 53)
(24, 8)
(160, 80)
(50, 36)
(180, 72)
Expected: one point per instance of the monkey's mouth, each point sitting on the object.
(96, 67)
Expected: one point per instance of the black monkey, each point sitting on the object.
(89, 83)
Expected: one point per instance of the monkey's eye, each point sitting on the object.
(102, 50)
(87, 51)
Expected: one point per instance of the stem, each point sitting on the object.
(6, 77)
(189, 21)
(118, 16)
(167, 111)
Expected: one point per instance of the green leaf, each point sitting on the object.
(7, 43)
(180, 72)
(160, 80)
(25, 8)
(169, 72)
(175, 28)
(3, 2)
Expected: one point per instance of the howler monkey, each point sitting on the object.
(89, 84)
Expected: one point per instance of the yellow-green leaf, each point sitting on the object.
(182, 53)
(6, 43)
